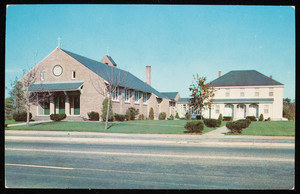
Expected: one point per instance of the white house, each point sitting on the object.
(246, 93)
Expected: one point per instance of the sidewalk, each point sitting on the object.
(220, 132)
(31, 122)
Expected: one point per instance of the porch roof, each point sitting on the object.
(244, 100)
(55, 86)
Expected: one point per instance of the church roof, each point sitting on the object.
(244, 78)
(117, 75)
(170, 95)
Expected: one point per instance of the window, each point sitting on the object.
(115, 94)
(227, 92)
(271, 92)
(73, 74)
(242, 94)
(137, 97)
(217, 109)
(256, 92)
(145, 97)
(266, 109)
(42, 75)
(127, 95)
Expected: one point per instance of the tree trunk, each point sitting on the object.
(27, 109)
(108, 105)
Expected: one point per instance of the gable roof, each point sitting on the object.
(170, 95)
(244, 78)
(108, 72)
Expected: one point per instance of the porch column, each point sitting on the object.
(234, 111)
(52, 107)
(247, 109)
(67, 105)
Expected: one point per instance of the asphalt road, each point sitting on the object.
(146, 163)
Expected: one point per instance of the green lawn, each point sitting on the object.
(145, 126)
(271, 128)
(12, 122)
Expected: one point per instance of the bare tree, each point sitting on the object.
(112, 79)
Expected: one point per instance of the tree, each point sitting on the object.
(288, 109)
(111, 80)
(202, 94)
(17, 96)
(9, 108)
(104, 111)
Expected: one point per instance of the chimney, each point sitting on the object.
(148, 75)
(271, 76)
(219, 73)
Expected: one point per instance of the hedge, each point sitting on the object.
(212, 123)
(141, 117)
(120, 117)
(21, 116)
(162, 116)
(251, 118)
(194, 127)
(57, 117)
(225, 118)
(93, 116)
(237, 126)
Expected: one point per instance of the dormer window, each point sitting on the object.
(73, 74)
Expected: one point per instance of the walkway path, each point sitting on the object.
(220, 132)
(31, 122)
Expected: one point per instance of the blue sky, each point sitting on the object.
(177, 41)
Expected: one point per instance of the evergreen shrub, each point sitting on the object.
(132, 112)
(225, 118)
(261, 117)
(120, 117)
(212, 123)
(171, 117)
(188, 116)
(162, 116)
(151, 114)
(21, 116)
(93, 116)
(220, 117)
(194, 127)
(57, 117)
(104, 110)
(141, 117)
(177, 116)
(252, 118)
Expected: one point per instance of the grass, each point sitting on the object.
(271, 128)
(138, 126)
(8, 122)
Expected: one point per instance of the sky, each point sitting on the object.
(177, 41)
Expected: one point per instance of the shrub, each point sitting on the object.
(5, 125)
(141, 117)
(251, 118)
(188, 116)
(268, 119)
(212, 123)
(220, 117)
(120, 117)
(198, 117)
(177, 115)
(151, 114)
(57, 117)
(104, 111)
(162, 116)
(21, 116)
(132, 112)
(261, 117)
(127, 116)
(237, 126)
(194, 127)
(171, 117)
(93, 116)
(227, 118)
